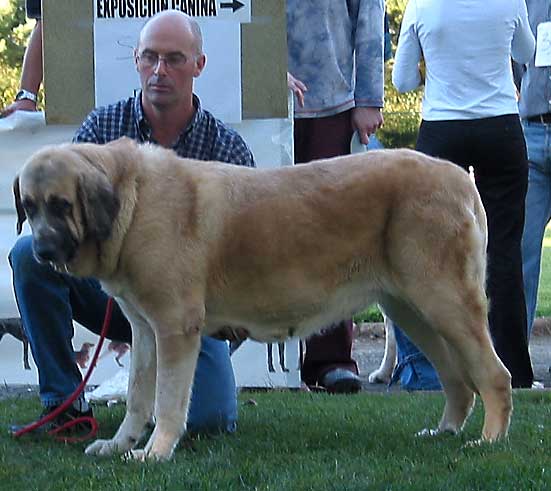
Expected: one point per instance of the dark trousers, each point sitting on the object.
(496, 150)
(318, 138)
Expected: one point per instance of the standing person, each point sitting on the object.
(31, 72)
(166, 112)
(535, 111)
(470, 116)
(336, 73)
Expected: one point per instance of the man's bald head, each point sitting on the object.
(176, 24)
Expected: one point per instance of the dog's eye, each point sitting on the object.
(29, 207)
(59, 206)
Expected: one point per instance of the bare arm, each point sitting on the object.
(32, 72)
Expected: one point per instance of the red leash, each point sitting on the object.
(88, 419)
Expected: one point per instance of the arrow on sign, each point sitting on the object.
(235, 5)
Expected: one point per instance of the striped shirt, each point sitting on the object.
(205, 138)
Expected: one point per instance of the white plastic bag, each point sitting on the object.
(22, 120)
(111, 390)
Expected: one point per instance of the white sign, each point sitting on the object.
(267, 364)
(232, 10)
(218, 87)
(543, 45)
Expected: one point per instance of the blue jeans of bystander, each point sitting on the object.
(538, 211)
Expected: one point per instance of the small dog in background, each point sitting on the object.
(13, 326)
(119, 349)
(83, 355)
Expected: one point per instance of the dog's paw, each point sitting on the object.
(143, 456)
(434, 432)
(428, 433)
(479, 442)
(104, 448)
(379, 377)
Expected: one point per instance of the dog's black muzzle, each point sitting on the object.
(53, 246)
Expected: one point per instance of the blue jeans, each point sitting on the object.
(538, 211)
(48, 302)
(413, 369)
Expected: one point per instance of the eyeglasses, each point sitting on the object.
(150, 59)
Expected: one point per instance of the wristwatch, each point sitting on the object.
(25, 94)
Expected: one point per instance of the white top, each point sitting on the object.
(467, 46)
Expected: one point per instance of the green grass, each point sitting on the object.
(298, 441)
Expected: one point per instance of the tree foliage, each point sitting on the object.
(402, 111)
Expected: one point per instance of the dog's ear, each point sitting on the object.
(99, 204)
(21, 216)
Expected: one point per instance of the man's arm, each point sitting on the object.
(368, 21)
(31, 73)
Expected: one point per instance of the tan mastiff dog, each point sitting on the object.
(189, 247)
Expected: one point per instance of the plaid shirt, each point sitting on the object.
(205, 138)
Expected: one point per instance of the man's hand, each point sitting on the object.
(366, 120)
(20, 105)
(297, 87)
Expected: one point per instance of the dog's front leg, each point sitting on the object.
(176, 361)
(141, 390)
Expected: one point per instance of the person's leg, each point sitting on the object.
(413, 368)
(322, 138)
(330, 350)
(538, 212)
(213, 405)
(439, 139)
(318, 138)
(501, 174)
(48, 301)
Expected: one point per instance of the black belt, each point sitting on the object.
(540, 118)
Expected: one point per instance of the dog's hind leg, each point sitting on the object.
(459, 394)
(141, 390)
(459, 316)
(26, 354)
(469, 340)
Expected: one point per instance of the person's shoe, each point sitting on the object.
(66, 416)
(341, 381)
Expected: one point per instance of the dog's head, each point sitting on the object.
(65, 194)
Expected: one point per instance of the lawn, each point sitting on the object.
(298, 441)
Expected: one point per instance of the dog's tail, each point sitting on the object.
(476, 261)
(481, 221)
